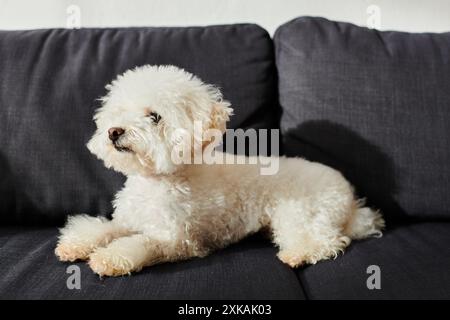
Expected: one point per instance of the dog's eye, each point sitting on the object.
(154, 116)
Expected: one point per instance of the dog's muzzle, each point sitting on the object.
(114, 134)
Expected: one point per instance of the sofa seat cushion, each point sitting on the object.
(413, 262)
(248, 270)
(372, 104)
(50, 82)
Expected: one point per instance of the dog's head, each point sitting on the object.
(142, 112)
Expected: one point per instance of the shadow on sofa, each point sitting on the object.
(364, 164)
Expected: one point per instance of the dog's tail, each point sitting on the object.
(364, 223)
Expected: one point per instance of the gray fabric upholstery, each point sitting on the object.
(247, 270)
(372, 104)
(49, 83)
(413, 262)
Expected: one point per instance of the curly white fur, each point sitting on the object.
(169, 212)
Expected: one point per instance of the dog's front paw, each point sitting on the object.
(106, 263)
(68, 252)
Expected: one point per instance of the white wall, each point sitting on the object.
(405, 15)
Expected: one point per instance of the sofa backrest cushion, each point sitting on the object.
(49, 83)
(375, 105)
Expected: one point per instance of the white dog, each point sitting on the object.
(169, 211)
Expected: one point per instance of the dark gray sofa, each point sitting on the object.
(375, 105)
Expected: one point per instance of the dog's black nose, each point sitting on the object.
(115, 133)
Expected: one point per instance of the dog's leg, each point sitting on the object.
(307, 233)
(129, 254)
(82, 234)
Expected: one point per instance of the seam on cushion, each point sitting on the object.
(297, 275)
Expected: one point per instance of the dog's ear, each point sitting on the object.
(220, 114)
(215, 128)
